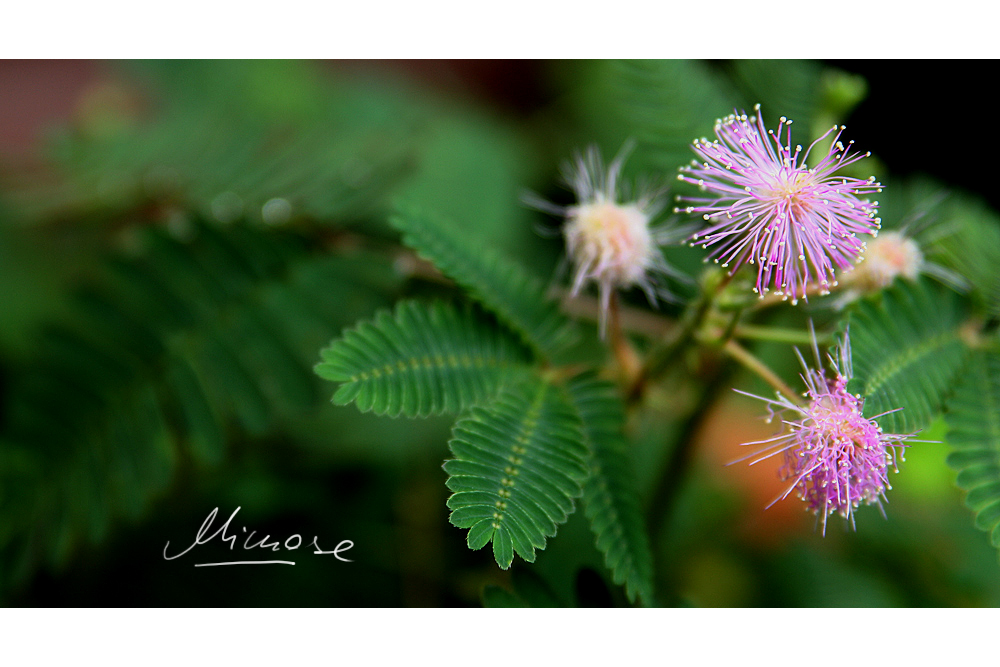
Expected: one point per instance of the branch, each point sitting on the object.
(735, 351)
(634, 320)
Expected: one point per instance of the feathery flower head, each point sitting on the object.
(891, 255)
(835, 458)
(767, 206)
(609, 236)
(894, 254)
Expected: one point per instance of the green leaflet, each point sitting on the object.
(973, 248)
(519, 463)
(907, 354)
(421, 360)
(974, 436)
(502, 286)
(611, 502)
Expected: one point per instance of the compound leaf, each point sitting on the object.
(519, 464)
(610, 499)
(974, 437)
(421, 360)
(907, 354)
(502, 286)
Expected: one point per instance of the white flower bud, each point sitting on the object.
(609, 243)
(889, 255)
(610, 238)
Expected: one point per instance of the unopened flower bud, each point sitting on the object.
(611, 239)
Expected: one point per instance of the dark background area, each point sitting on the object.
(936, 108)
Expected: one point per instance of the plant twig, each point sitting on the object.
(633, 320)
(779, 335)
(663, 356)
(625, 356)
(735, 351)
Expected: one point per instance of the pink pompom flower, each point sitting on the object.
(835, 458)
(766, 206)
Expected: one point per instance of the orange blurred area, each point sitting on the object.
(733, 421)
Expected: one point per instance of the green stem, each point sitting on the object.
(756, 366)
(634, 320)
(674, 470)
(730, 331)
(779, 335)
(663, 355)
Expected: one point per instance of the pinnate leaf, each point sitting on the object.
(610, 500)
(422, 360)
(519, 464)
(907, 354)
(973, 248)
(501, 285)
(974, 437)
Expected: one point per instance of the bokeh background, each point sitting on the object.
(255, 194)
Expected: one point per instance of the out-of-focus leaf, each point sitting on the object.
(787, 88)
(972, 247)
(662, 104)
(165, 355)
(907, 354)
(974, 437)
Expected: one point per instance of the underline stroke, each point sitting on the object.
(248, 562)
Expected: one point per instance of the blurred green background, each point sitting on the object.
(179, 239)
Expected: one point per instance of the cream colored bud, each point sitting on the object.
(609, 243)
(890, 255)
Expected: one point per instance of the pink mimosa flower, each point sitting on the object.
(835, 458)
(766, 206)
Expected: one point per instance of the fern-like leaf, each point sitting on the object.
(973, 248)
(661, 104)
(501, 285)
(610, 500)
(421, 360)
(974, 436)
(167, 354)
(907, 354)
(519, 463)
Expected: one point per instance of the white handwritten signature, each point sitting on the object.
(290, 544)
